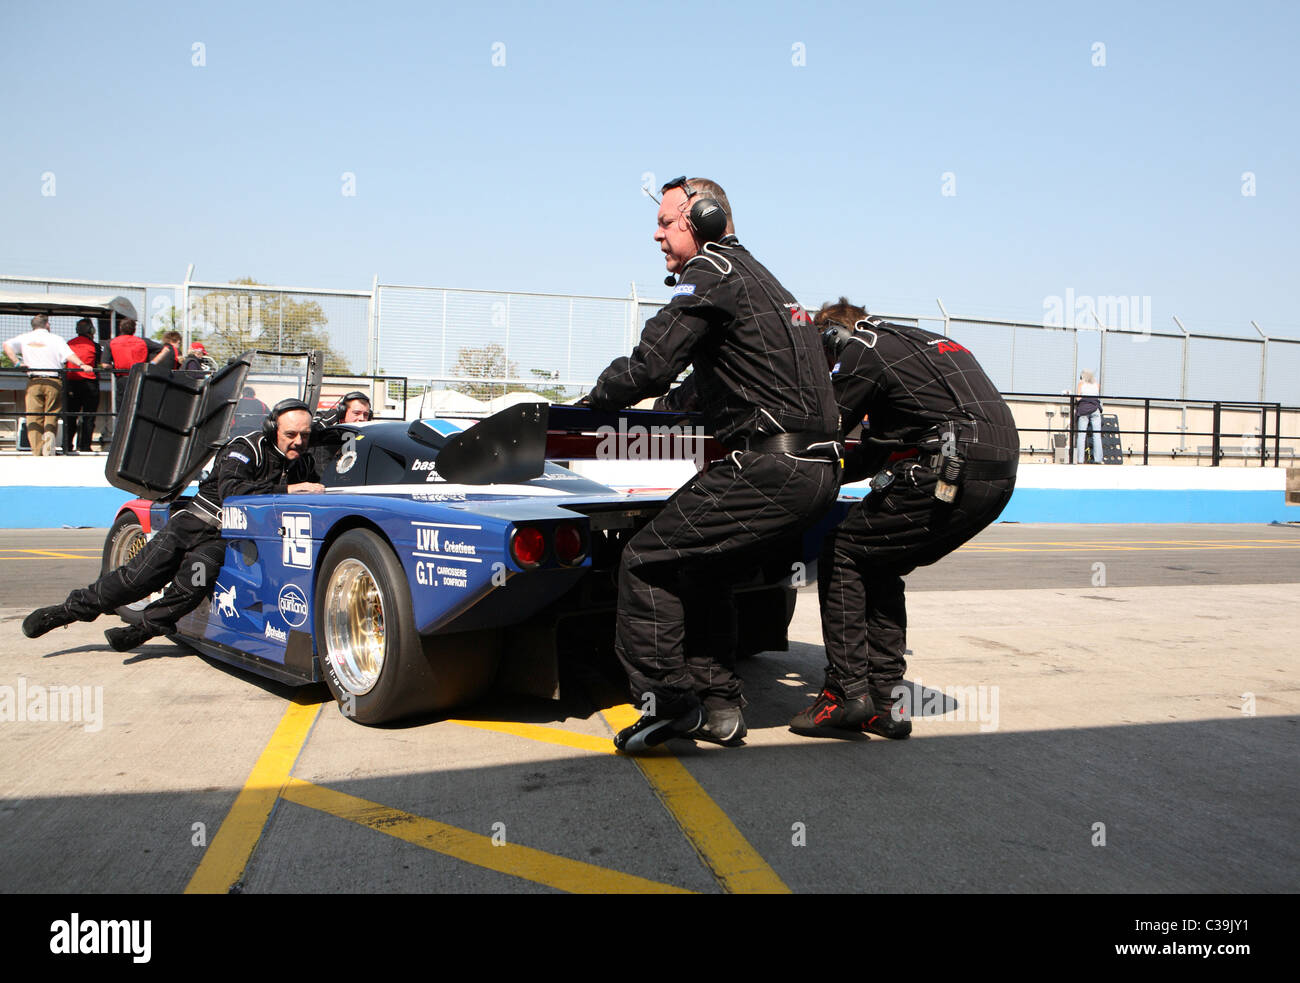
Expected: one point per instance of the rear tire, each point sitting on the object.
(125, 539)
(373, 659)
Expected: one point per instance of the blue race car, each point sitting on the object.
(439, 560)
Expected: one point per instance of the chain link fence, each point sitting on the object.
(232, 318)
(488, 343)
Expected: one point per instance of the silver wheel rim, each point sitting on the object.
(355, 639)
(124, 550)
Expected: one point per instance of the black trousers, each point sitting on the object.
(863, 563)
(676, 622)
(80, 401)
(186, 551)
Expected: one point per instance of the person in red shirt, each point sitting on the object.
(81, 390)
(125, 351)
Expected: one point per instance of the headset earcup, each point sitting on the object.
(709, 219)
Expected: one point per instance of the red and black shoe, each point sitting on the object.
(890, 720)
(832, 712)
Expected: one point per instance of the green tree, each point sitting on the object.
(170, 321)
(554, 393)
(235, 321)
(488, 362)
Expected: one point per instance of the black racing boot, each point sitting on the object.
(889, 719)
(128, 637)
(832, 712)
(42, 620)
(651, 731)
(723, 725)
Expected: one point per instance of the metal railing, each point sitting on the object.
(1267, 434)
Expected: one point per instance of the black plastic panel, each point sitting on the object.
(177, 422)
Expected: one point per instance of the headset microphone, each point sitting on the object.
(670, 280)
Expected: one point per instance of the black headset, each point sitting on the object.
(349, 397)
(707, 217)
(272, 421)
(836, 335)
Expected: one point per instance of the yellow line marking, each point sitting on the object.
(548, 735)
(228, 854)
(42, 554)
(39, 549)
(525, 862)
(721, 847)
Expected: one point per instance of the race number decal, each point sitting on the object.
(296, 533)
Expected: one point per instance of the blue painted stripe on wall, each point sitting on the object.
(50, 507)
(46, 507)
(1147, 505)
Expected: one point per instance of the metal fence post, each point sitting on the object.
(1214, 437)
(372, 336)
(1263, 363)
(1182, 386)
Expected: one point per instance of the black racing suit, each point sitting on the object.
(189, 550)
(758, 371)
(920, 392)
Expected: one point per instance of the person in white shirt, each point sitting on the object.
(1087, 413)
(43, 354)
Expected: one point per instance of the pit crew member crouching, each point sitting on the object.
(941, 448)
(188, 551)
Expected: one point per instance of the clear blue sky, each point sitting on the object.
(1122, 179)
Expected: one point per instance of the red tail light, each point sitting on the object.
(569, 545)
(528, 546)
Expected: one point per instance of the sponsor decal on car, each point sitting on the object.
(226, 601)
(276, 634)
(233, 517)
(464, 549)
(296, 537)
(453, 576)
(426, 539)
(293, 606)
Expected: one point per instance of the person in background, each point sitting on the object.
(196, 359)
(82, 391)
(353, 407)
(1087, 413)
(44, 355)
(169, 354)
(126, 350)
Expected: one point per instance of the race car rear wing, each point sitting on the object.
(581, 433)
(514, 444)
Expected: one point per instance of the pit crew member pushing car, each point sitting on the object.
(760, 383)
(942, 447)
(188, 550)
